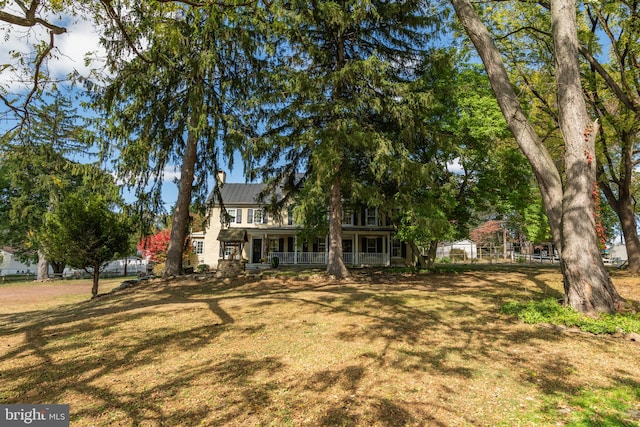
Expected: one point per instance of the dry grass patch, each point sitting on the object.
(378, 349)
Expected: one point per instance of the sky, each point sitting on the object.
(68, 57)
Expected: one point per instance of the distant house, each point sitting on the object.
(255, 235)
(11, 265)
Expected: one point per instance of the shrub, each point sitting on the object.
(202, 268)
(275, 261)
(158, 269)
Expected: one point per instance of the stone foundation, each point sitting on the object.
(230, 268)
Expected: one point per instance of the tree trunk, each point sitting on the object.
(630, 234)
(431, 253)
(417, 257)
(588, 287)
(570, 209)
(96, 278)
(335, 263)
(43, 267)
(622, 202)
(180, 222)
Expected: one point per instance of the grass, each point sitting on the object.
(550, 311)
(379, 349)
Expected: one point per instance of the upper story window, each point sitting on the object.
(290, 220)
(234, 216)
(257, 216)
(371, 216)
(347, 217)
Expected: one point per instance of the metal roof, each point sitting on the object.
(246, 194)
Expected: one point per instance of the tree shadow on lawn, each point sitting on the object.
(432, 317)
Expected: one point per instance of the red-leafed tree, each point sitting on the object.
(486, 233)
(155, 246)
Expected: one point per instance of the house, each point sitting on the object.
(256, 236)
(11, 265)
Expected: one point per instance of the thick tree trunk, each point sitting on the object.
(418, 259)
(431, 253)
(58, 268)
(569, 209)
(180, 222)
(335, 263)
(588, 287)
(96, 279)
(43, 267)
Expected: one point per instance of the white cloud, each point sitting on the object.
(69, 53)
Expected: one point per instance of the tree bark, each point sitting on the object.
(588, 287)
(335, 263)
(431, 253)
(96, 279)
(180, 222)
(43, 267)
(570, 210)
(417, 257)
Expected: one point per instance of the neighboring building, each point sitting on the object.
(256, 236)
(470, 249)
(11, 265)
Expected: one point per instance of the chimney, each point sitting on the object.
(221, 176)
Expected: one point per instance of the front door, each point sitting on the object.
(256, 251)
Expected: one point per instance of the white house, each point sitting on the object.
(11, 265)
(256, 236)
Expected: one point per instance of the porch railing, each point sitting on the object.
(349, 258)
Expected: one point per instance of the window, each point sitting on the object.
(290, 216)
(274, 245)
(249, 216)
(347, 217)
(257, 216)
(321, 244)
(234, 216)
(396, 248)
(371, 217)
(198, 247)
(372, 246)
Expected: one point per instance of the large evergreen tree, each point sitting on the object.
(338, 63)
(37, 171)
(177, 100)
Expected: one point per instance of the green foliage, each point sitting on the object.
(550, 311)
(36, 173)
(202, 268)
(83, 230)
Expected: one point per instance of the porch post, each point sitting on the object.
(326, 249)
(356, 250)
(388, 250)
(295, 250)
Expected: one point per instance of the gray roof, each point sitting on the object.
(245, 194)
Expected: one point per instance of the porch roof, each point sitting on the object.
(233, 235)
